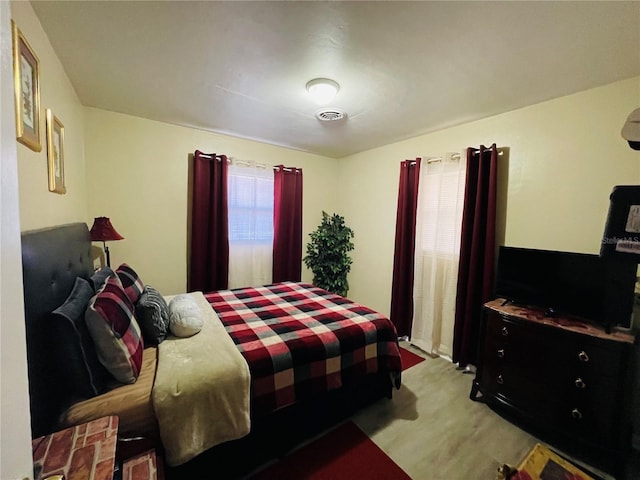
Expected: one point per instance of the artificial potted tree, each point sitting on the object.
(327, 254)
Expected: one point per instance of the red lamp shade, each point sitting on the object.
(103, 231)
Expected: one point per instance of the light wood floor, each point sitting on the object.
(435, 432)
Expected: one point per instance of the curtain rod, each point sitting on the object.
(251, 163)
(456, 156)
(246, 163)
(499, 149)
(208, 155)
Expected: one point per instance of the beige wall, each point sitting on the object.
(138, 175)
(565, 156)
(15, 433)
(39, 207)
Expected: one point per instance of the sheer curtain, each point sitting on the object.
(438, 227)
(250, 224)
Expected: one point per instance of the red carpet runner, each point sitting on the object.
(345, 453)
(409, 359)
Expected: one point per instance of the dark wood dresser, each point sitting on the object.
(568, 382)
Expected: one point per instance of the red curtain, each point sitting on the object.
(477, 251)
(209, 259)
(404, 254)
(287, 224)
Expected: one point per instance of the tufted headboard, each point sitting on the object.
(52, 258)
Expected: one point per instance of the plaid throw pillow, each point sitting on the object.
(131, 282)
(115, 332)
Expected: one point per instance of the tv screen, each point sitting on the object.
(578, 284)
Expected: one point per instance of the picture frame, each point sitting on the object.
(26, 80)
(543, 463)
(55, 153)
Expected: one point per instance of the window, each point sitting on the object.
(250, 198)
(250, 203)
(440, 203)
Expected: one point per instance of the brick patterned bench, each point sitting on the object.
(88, 451)
(80, 452)
(142, 467)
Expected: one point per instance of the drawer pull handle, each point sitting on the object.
(501, 353)
(500, 380)
(575, 413)
(583, 356)
(504, 332)
(580, 383)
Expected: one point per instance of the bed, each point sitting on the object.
(287, 356)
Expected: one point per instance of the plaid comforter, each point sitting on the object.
(300, 340)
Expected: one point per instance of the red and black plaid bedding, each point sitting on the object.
(300, 340)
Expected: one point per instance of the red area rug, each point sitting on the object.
(344, 453)
(409, 359)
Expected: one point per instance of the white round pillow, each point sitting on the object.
(185, 318)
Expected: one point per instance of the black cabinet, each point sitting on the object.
(567, 381)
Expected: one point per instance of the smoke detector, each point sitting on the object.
(330, 114)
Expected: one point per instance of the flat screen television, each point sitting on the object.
(596, 289)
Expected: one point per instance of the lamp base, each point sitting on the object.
(106, 252)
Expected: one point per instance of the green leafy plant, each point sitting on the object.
(327, 254)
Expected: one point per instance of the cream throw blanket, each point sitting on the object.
(201, 390)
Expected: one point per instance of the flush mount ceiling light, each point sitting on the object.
(322, 90)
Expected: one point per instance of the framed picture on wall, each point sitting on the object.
(55, 153)
(27, 90)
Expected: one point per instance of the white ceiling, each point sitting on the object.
(405, 68)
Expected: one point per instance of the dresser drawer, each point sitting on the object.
(580, 353)
(533, 367)
(597, 423)
(512, 386)
(547, 394)
(545, 348)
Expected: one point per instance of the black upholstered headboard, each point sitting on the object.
(52, 258)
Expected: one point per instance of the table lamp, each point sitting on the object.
(103, 231)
